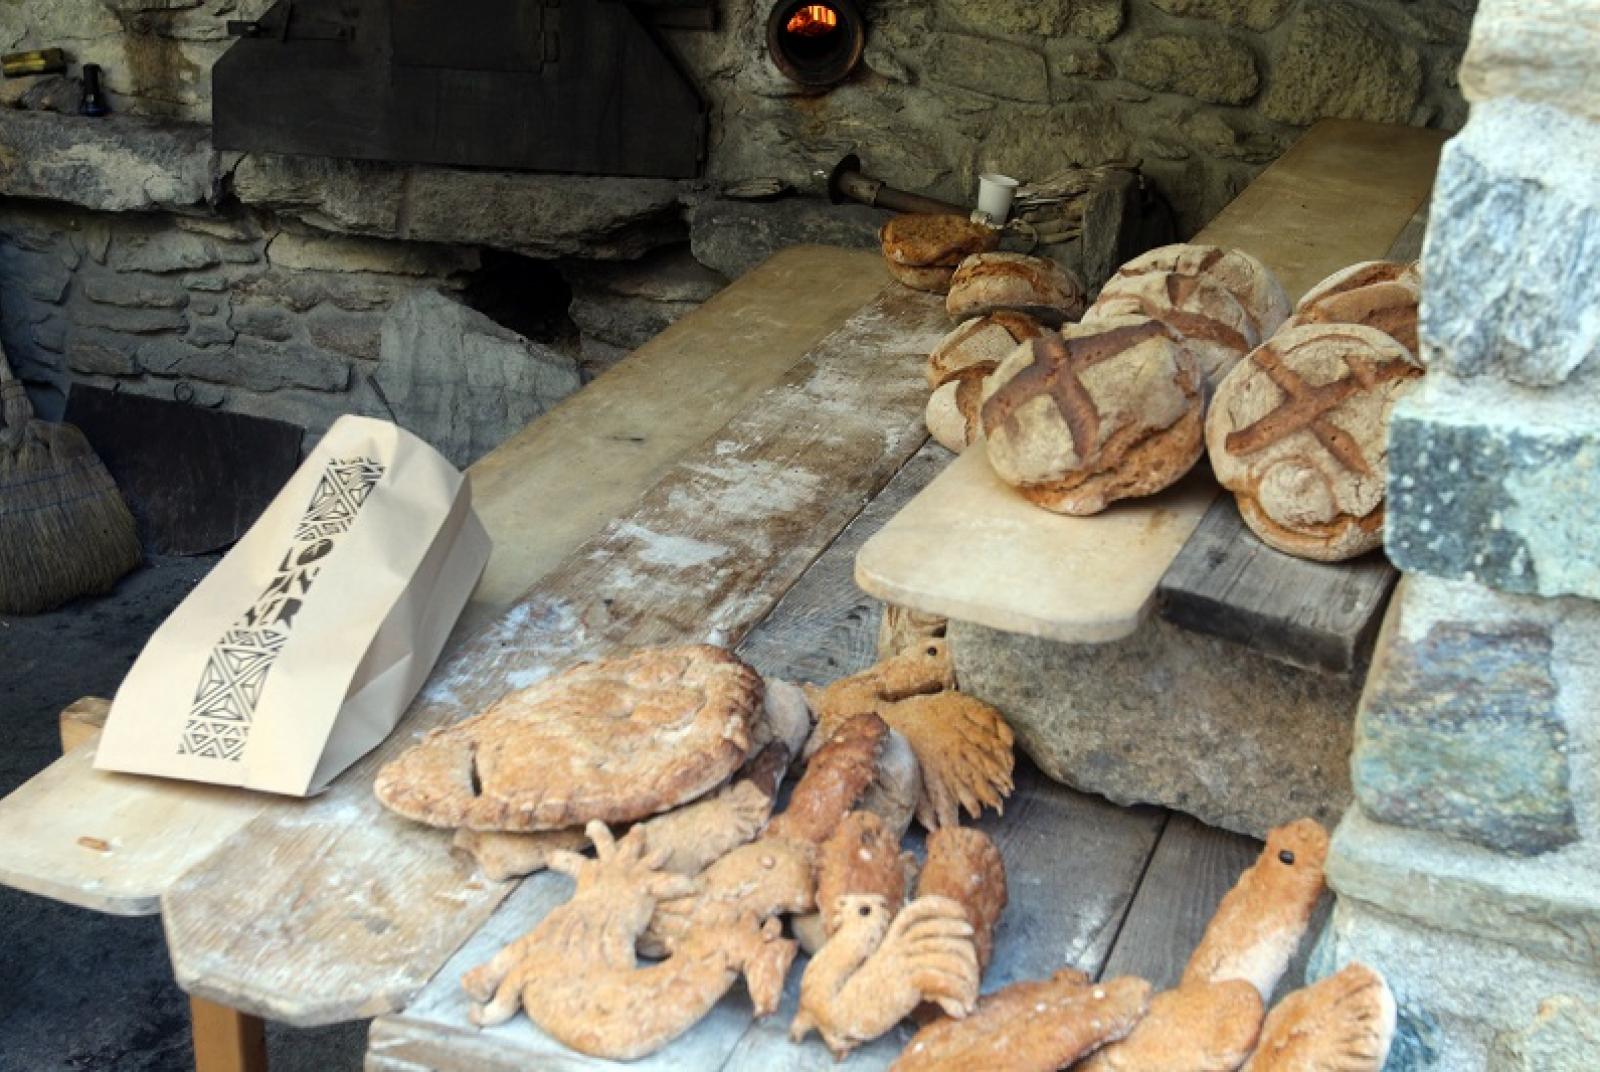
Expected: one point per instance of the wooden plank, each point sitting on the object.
(551, 486)
(226, 1040)
(1193, 867)
(1317, 615)
(825, 627)
(540, 495)
(968, 547)
(1073, 861)
(358, 908)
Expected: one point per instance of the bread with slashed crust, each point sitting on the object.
(1377, 294)
(923, 240)
(991, 282)
(1208, 317)
(1362, 274)
(1100, 412)
(979, 345)
(1250, 282)
(1299, 432)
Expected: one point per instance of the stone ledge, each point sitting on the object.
(113, 164)
(1549, 906)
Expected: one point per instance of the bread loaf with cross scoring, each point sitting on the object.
(1377, 294)
(1100, 412)
(1299, 432)
(990, 282)
(958, 366)
(1208, 317)
(1250, 282)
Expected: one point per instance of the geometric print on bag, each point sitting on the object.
(236, 671)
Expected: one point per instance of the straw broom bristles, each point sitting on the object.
(64, 529)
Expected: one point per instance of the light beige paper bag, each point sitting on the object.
(300, 651)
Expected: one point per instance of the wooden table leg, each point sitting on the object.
(227, 1040)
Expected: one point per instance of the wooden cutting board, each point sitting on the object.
(970, 548)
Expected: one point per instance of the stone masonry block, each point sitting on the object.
(1540, 52)
(1496, 484)
(1512, 262)
(1460, 729)
(1173, 718)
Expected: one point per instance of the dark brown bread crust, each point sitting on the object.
(926, 240)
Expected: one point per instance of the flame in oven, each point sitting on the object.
(813, 20)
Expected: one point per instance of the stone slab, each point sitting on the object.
(113, 164)
(1169, 717)
(1540, 52)
(1497, 484)
(1463, 728)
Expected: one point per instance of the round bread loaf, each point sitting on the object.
(934, 279)
(1299, 432)
(952, 413)
(979, 344)
(1100, 412)
(1376, 294)
(922, 241)
(1251, 283)
(989, 282)
(1196, 307)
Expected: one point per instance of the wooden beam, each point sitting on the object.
(227, 1040)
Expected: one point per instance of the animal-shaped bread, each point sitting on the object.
(1251, 283)
(1259, 924)
(986, 283)
(1199, 1027)
(862, 857)
(965, 866)
(585, 744)
(923, 250)
(878, 966)
(1030, 1027)
(963, 746)
(1375, 294)
(1103, 411)
(577, 976)
(1198, 309)
(1345, 1023)
(1299, 432)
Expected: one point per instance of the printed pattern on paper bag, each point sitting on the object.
(236, 672)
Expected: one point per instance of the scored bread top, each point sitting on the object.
(1299, 433)
(980, 343)
(1198, 308)
(1038, 286)
(1363, 274)
(1251, 283)
(929, 240)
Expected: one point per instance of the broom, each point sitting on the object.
(64, 529)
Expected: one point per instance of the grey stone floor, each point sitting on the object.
(79, 991)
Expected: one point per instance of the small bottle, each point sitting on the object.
(39, 61)
(94, 98)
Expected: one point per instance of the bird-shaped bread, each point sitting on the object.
(1345, 1023)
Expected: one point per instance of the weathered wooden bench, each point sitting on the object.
(772, 432)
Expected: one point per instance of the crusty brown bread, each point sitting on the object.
(1345, 1023)
(922, 240)
(952, 413)
(1200, 310)
(935, 278)
(965, 866)
(1100, 412)
(978, 345)
(1251, 283)
(1199, 1027)
(1299, 432)
(992, 282)
(1375, 294)
(862, 856)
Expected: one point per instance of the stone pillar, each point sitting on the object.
(1468, 870)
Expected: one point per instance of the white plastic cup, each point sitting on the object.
(994, 196)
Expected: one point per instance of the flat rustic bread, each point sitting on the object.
(920, 241)
(1208, 317)
(1375, 294)
(1299, 432)
(1103, 411)
(615, 740)
(990, 282)
(1250, 282)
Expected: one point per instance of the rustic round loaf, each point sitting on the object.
(1376, 294)
(952, 413)
(989, 282)
(979, 344)
(1299, 432)
(1100, 412)
(615, 740)
(922, 251)
(1205, 313)
(1251, 283)
(935, 279)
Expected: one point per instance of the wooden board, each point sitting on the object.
(970, 548)
(1074, 862)
(1317, 615)
(1320, 616)
(540, 495)
(358, 908)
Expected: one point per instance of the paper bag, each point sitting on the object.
(304, 646)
